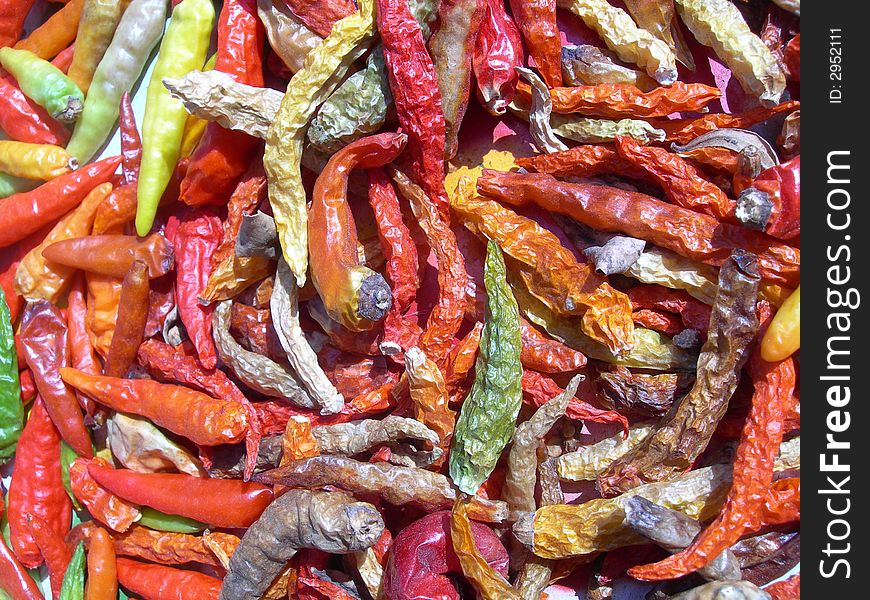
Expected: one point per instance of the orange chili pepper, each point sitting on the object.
(132, 318)
(102, 583)
(683, 131)
(155, 582)
(581, 161)
(202, 419)
(47, 40)
(104, 506)
(113, 255)
(536, 20)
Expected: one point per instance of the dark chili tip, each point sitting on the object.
(754, 208)
(688, 339)
(375, 298)
(258, 236)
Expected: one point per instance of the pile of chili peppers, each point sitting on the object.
(374, 286)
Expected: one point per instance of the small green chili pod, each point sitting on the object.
(44, 83)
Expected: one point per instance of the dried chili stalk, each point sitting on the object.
(687, 429)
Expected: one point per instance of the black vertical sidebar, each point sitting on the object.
(835, 264)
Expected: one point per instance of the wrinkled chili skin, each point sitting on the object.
(418, 99)
(196, 234)
(789, 589)
(536, 20)
(498, 50)
(223, 155)
(581, 161)
(45, 337)
(683, 131)
(320, 15)
(422, 556)
(687, 233)
(37, 486)
(782, 184)
(693, 313)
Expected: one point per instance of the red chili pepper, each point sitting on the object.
(694, 313)
(581, 161)
(782, 503)
(82, 354)
(102, 581)
(53, 550)
(14, 578)
(789, 589)
(22, 214)
(24, 120)
(202, 419)
(353, 374)
(167, 363)
(687, 233)
(320, 15)
(104, 506)
(248, 194)
(218, 502)
(683, 131)
(401, 254)
(131, 142)
(113, 255)
(417, 97)
(537, 22)
(792, 58)
(254, 330)
(46, 343)
(131, 321)
(498, 51)
(782, 184)
(753, 474)
(64, 58)
(538, 390)
(223, 155)
(543, 353)
(663, 322)
(195, 235)
(27, 385)
(156, 582)
(36, 487)
(13, 13)
(681, 182)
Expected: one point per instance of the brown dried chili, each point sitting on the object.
(620, 100)
(45, 338)
(113, 255)
(132, 318)
(536, 20)
(641, 394)
(685, 232)
(414, 86)
(202, 419)
(498, 50)
(686, 430)
(550, 272)
(539, 389)
(446, 317)
(107, 508)
(352, 293)
(681, 182)
(452, 49)
(37, 487)
(400, 332)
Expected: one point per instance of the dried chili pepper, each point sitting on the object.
(202, 419)
(682, 183)
(45, 338)
(414, 85)
(788, 589)
(290, 38)
(581, 161)
(422, 559)
(102, 583)
(148, 544)
(538, 390)
(44, 83)
(539, 114)
(544, 354)
(429, 395)
(685, 130)
(782, 184)
(446, 317)
(693, 313)
(222, 156)
(156, 581)
(640, 393)
(584, 64)
(104, 506)
(690, 234)
(487, 419)
(328, 521)
(223, 503)
(196, 236)
(732, 318)
(321, 15)
(24, 213)
(550, 272)
(36, 486)
(113, 255)
(11, 409)
(536, 20)
(498, 50)
(324, 69)
(629, 42)
(452, 50)
(353, 294)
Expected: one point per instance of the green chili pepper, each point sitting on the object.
(44, 83)
(73, 586)
(360, 105)
(11, 409)
(183, 49)
(154, 519)
(486, 422)
(67, 456)
(138, 32)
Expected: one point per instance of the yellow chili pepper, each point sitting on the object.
(783, 337)
(194, 127)
(183, 49)
(35, 161)
(96, 27)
